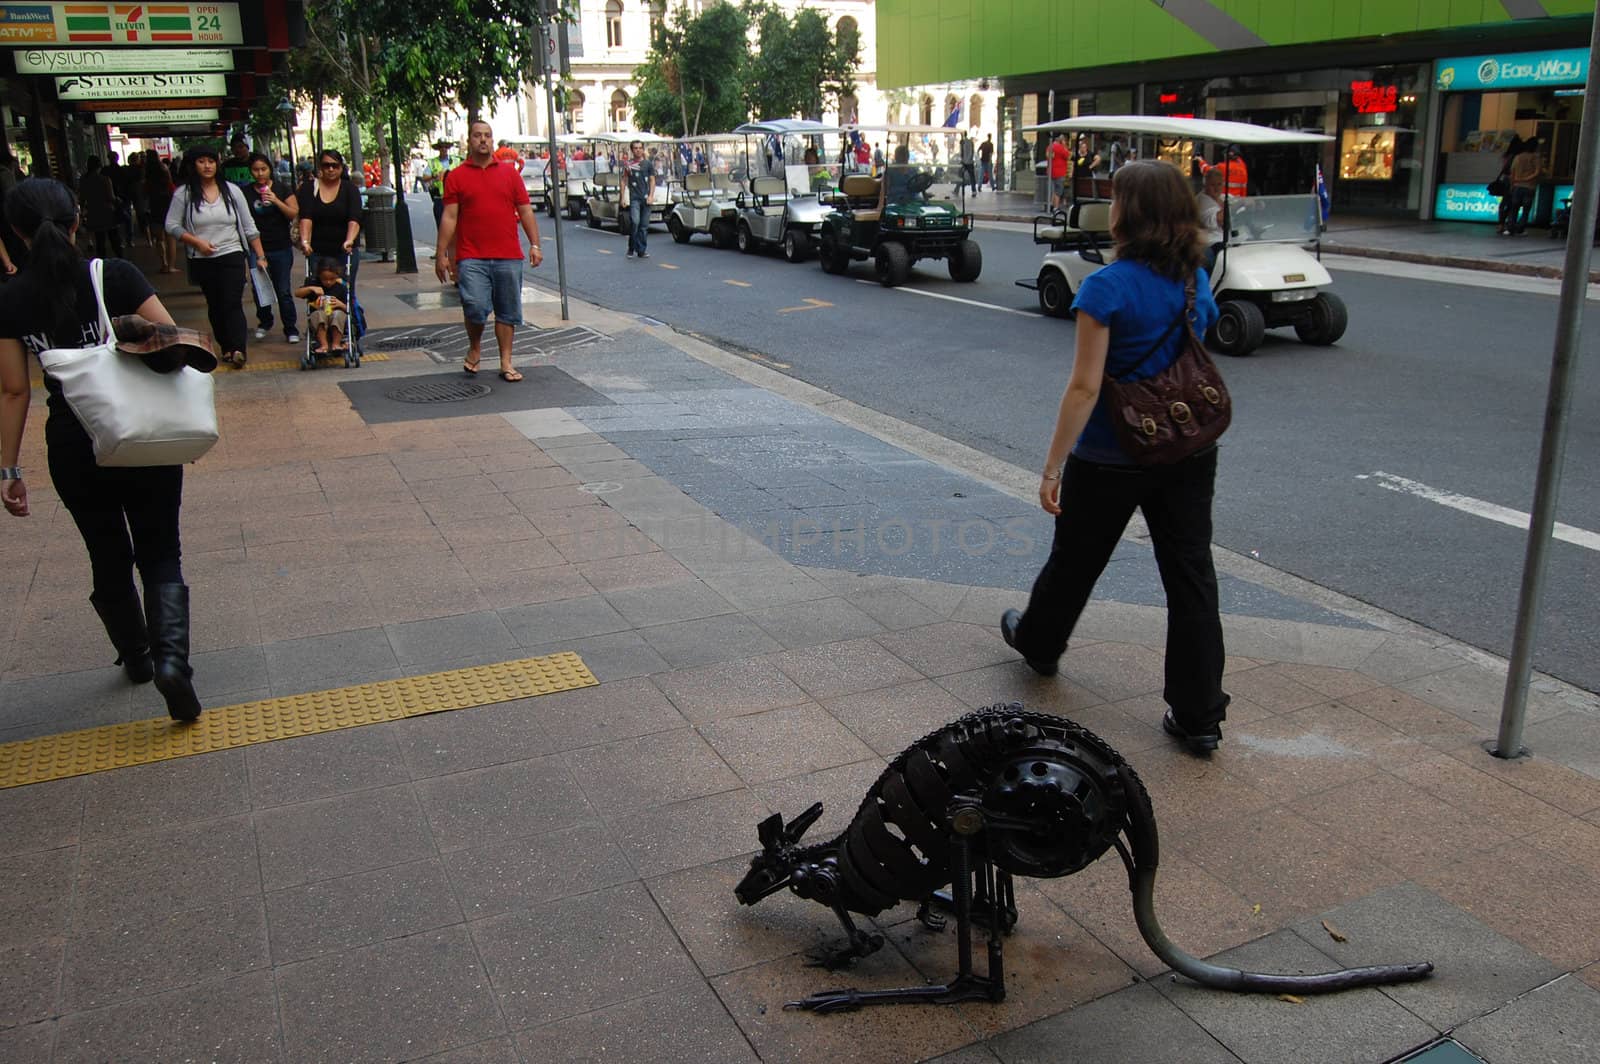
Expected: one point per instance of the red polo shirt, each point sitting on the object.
(486, 199)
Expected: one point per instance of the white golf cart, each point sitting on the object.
(1267, 272)
(793, 169)
(707, 199)
(605, 194)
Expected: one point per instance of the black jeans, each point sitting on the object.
(221, 279)
(108, 243)
(127, 516)
(1521, 208)
(1096, 502)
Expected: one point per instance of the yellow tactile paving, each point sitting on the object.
(139, 742)
(37, 381)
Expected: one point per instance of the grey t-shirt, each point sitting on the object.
(639, 175)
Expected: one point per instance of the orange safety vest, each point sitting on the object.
(1234, 176)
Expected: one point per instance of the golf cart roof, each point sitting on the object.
(1189, 128)
(707, 138)
(609, 137)
(786, 127)
(900, 127)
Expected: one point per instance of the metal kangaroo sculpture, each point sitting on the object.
(998, 793)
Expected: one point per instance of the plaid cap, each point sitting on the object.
(164, 347)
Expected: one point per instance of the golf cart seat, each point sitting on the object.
(770, 194)
(606, 185)
(697, 189)
(1085, 222)
(865, 193)
(724, 182)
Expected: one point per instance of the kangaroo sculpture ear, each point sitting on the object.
(770, 831)
(802, 823)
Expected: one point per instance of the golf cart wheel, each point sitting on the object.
(893, 263)
(828, 254)
(966, 261)
(1239, 330)
(1055, 294)
(594, 221)
(796, 245)
(1326, 321)
(747, 240)
(722, 235)
(574, 209)
(680, 235)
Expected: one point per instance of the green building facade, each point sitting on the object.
(1420, 96)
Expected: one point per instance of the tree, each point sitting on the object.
(692, 78)
(804, 66)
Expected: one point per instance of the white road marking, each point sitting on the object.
(1478, 508)
(971, 302)
(1411, 271)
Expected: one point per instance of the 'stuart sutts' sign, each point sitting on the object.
(139, 86)
(121, 60)
(120, 24)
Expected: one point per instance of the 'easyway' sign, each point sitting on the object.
(1520, 70)
(139, 86)
(1466, 203)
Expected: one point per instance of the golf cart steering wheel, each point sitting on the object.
(919, 183)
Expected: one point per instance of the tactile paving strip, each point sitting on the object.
(327, 362)
(140, 742)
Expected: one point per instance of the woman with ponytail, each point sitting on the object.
(210, 217)
(127, 516)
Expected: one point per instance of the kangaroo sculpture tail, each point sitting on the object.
(1000, 792)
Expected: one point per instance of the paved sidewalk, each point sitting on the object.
(757, 584)
(1464, 245)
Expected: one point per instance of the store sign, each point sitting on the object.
(120, 24)
(1466, 203)
(1569, 66)
(121, 60)
(139, 86)
(157, 118)
(1370, 99)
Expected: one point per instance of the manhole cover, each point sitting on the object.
(438, 392)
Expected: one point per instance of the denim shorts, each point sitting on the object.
(491, 284)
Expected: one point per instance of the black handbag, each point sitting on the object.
(1499, 186)
(1178, 412)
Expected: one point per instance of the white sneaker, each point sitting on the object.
(261, 334)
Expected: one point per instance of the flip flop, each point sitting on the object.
(510, 376)
(470, 368)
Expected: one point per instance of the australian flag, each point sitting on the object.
(1322, 193)
(954, 119)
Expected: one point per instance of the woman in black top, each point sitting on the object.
(275, 208)
(127, 516)
(99, 199)
(330, 212)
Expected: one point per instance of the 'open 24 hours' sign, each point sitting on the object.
(120, 24)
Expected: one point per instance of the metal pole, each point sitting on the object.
(1552, 448)
(550, 64)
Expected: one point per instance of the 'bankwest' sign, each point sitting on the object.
(119, 24)
(139, 86)
(1519, 70)
(121, 60)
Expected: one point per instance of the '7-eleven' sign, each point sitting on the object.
(120, 24)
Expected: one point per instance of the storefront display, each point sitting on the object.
(1366, 155)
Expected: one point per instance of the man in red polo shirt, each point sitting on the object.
(483, 202)
(1060, 164)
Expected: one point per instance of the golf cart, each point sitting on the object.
(892, 221)
(1267, 272)
(606, 200)
(791, 169)
(567, 193)
(707, 200)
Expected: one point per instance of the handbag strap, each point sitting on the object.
(1183, 315)
(97, 269)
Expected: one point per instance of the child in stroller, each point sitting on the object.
(334, 316)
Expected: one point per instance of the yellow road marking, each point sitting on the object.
(809, 304)
(140, 742)
(738, 284)
(666, 266)
(752, 356)
(603, 251)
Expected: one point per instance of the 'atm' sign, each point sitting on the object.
(120, 24)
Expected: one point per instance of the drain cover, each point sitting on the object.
(438, 392)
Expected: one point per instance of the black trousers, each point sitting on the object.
(127, 516)
(221, 279)
(1096, 503)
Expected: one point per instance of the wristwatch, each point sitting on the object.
(11, 472)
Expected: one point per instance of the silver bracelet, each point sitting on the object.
(11, 472)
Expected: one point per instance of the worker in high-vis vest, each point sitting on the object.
(1233, 170)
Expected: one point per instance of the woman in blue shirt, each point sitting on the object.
(1123, 312)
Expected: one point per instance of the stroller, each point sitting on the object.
(356, 329)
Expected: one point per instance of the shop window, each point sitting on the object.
(1367, 154)
(613, 23)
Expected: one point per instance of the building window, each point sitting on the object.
(952, 106)
(975, 111)
(613, 23)
(658, 19)
(926, 110)
(619, 111)
(575, 112)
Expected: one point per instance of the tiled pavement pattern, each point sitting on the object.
(551, 879)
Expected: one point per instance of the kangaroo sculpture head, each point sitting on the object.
(783, 862)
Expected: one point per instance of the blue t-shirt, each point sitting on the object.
(1138, 305)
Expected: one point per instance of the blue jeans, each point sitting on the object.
(490, 284)
(280, 264)
(639, 214)
(1521, 208)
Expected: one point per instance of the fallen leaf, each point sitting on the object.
(1292, 999)
(1255, 910)
(1334, 933)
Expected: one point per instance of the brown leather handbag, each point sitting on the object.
(1181, 410)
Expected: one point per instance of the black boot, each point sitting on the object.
(124, 621)
(167, 609)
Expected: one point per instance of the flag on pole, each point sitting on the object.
(1322, 193)
(954, 118)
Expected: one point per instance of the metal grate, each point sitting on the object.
(438, 392)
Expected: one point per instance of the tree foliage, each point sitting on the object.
(804, 66)
(691, 82)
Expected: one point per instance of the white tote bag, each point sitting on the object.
(134, 415)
